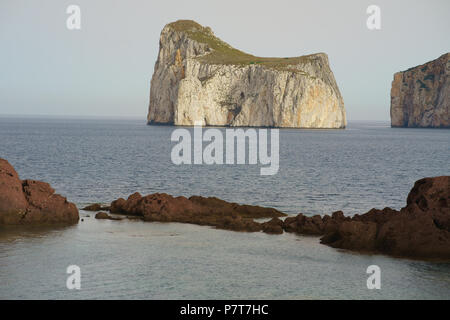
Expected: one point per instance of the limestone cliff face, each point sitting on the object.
(420, 96)
(198, 77)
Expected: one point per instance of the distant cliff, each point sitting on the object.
(198, 77)
(420, 96)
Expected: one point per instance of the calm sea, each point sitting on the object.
(98, 160)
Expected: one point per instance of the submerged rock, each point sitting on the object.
(420, 96)
(197, 210)
(31, 201)
(198, 77)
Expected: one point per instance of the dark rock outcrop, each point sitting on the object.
(196, 210)
(199, 77)
(420, 96)
(419, 230)
(304, 225)
(96, 207)
(274, 226)
(30, 201)
(315, 225)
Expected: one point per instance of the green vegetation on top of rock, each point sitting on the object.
(223, 53)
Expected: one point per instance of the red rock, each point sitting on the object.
(96, 207)
(101, 215)
(315, 225)
(117, 205)
(30, 201)
(104, 215)
(338, 216)
(420, 230)
(212, 203)
(197, 210)
(355, 235)
(433, 194)
(13, 204)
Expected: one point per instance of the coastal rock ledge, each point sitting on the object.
(419, 230)
(420, 96)
(200, 78)
(31, 201)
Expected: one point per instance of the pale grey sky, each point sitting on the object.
(105, 68)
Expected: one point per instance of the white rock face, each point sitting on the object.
(187, 88)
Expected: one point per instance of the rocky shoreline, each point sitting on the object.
(419, 230)
(200, 78)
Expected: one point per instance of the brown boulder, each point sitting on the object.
(355, 235)
(338, 216)
(13, 204)
(106, 216)
(30, 201)
(96, 207)
(117, 205)
(290, 224)
(433, 195)
(246, 211)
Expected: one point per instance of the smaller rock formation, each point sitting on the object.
(274, 226)
(420, 96)
(105, 216)
(96, 207)
(315, 225)
(419, 230)
(30, 201)
(196, 210)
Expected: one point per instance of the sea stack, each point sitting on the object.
(420, 96)
(199, 78)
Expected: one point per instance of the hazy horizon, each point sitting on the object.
(104, 69)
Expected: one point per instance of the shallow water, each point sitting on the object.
(321, 171)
